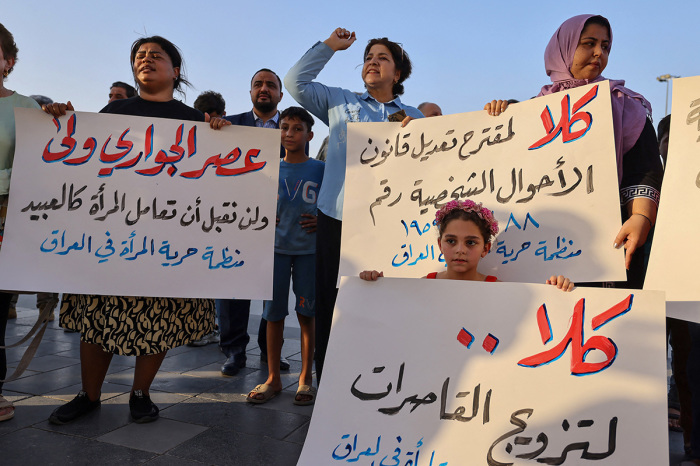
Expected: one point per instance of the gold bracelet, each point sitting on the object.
(648, 219)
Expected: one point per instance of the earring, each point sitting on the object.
(5, 74)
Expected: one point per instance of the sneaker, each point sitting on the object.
(142, 408)
(212, 337)
(75, 408)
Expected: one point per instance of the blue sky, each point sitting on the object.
(464, 52)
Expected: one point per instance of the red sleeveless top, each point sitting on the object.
(489, 278)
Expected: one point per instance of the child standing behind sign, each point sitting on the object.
(466, 231)
(295, 258)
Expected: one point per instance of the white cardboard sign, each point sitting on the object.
(545, 167)
(124, 205)
(448, 372)
(675, 252)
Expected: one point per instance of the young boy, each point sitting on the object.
(295, 247)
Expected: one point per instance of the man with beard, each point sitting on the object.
(266, 93)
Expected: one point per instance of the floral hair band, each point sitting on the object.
(468, 206)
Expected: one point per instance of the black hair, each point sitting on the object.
(401, 61)
(41, 99)
(600, 21)
(130, 90)
(299, 113)
(210, 101)
(459, 214)
(269, 71)
(664, 127)
(9, 48)
(172, 51)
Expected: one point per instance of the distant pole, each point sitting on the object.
(666, 78)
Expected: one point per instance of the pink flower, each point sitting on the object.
(468, 206)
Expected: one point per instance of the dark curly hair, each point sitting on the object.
(210, 102)
(401, 61)
(9, 48)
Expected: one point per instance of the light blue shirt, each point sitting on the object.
(271, 123)
(335, 107)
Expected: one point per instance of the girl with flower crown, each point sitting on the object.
(466, 231)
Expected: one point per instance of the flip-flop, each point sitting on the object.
(4, 404)
(305, 390)
(263, 389)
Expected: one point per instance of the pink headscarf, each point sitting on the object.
(629, 109)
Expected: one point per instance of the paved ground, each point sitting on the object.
(204, 416)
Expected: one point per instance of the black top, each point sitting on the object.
(642, 171)
(137, 106)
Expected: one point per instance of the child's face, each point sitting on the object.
(462, 245)
(295, 135)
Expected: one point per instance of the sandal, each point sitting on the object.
(263, 389)
(305, 390)
(7, 409)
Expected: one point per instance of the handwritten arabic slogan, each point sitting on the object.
(443, 372)
(112, 204)
(546, 167)
(675, 252)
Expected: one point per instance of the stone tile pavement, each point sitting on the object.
(204, 416)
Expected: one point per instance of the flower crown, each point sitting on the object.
(468, 206)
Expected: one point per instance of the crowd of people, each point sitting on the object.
(308, 229)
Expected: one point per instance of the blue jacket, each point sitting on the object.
(242, 119)
(335, 107)
(248, 119)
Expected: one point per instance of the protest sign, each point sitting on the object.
(545, 167)
(451, 372)
(113, 204)
(675, 251)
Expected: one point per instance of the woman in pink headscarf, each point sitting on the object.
(576, 55)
